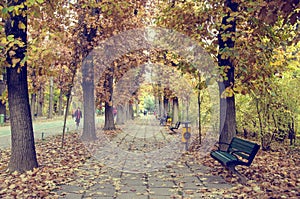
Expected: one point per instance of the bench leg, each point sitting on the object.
(243, 179)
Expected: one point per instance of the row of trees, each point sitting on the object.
(249, 41)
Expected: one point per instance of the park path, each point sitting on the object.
(142, 162)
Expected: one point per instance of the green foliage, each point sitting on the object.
(149, 103)
(273, 105)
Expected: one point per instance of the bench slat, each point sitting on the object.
(224, 157)
(241, 145)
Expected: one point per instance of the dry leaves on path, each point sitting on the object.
(56, 166)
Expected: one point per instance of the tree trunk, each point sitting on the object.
(32, 105)
(187, 108)
(50, 110)
(2, 105)
(131, 113)
(127, 115)
(199, 113)
(160, 107)
(65, 119)
(40, 103)
(182, 110)
(109, 117)
(60, 103)
(166, 105)
(137, 109)
(120, 115)
(227, 104)
(175, 110)
(89, 131)
(23, 154)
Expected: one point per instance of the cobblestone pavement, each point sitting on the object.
(144, 161)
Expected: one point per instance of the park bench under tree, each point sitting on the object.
(172, 128)
(239, 152)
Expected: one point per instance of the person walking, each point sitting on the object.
(78, 116)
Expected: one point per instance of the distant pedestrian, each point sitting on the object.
(78, 116)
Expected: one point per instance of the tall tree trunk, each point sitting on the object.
(33, 99)
(182, 110)
(109, 117)
(166, 105)
(23, 154)
(227, 104)
(40, 103)
(65, 119)
(89, 131)
(187, 107)
(199, 113)
(175, 110)
(50, 110)
(137, 109)
(127, 115)
(88, 35)
(32, 105)
(159, 98)
(160, 106)
(60, 103)
(2, 105)
(131, 113)
(120, 115)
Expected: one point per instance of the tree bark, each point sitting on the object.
(166, 105)
(2, 105)
(131, 113)
(199, 113)
(137, 109)
(89, 131)
(32, 105)
(60, 103)
(127, 115)
(23, 154)
(160, 106)
(187, 107)
(40, 103)
(109, 117)
(50, 110)
(227, 104)
(175, 110)
(88, 35)
(120, 115)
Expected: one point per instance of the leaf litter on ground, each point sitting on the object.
(273, 174)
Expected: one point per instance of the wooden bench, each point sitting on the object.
(239, 152)
(175, 127)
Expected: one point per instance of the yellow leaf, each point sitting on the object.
(14, 61)
(11, 53)
(21, 25)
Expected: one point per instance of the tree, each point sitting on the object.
(233, 35)
(227, 102)
(23, 155)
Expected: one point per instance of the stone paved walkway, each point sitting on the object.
(142, 162)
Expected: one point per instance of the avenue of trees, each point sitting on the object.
(45, 59)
